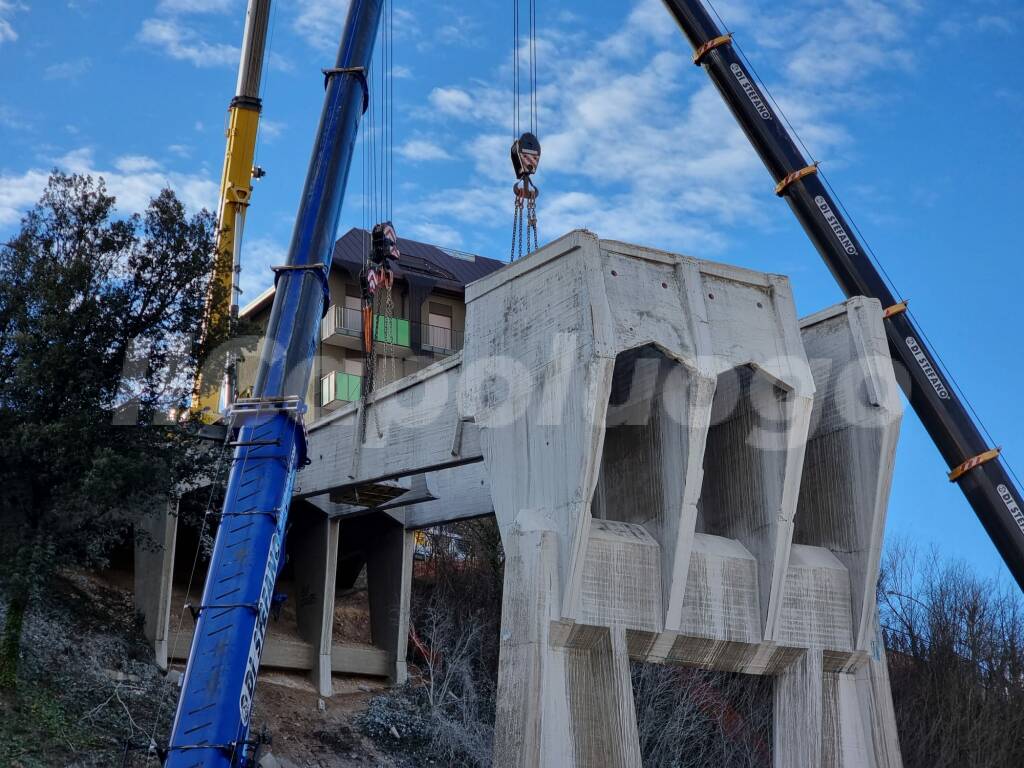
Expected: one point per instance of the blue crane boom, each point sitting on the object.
(211, 726)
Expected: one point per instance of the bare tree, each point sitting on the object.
(956, 657)
(690, 718)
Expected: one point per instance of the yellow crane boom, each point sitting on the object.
(212, 396)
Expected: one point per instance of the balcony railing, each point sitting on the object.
(393, 330)
(338, 388)
(434, 338)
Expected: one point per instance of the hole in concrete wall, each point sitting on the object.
(646, 408)
(745, 456)
(702, 719)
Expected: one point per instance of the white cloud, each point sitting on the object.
(319, 22)
(436, 234)
(135, 164)
(995, 23)
(13, 119)
(68, 70)
(637, 144)
(196, 6)
(420, 150)
(18, 193)
(271, 130)
(452, 101)
(180, 42)
(7, 9)
(133, 180)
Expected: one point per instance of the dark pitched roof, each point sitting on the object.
(445, 268)
(450, 269)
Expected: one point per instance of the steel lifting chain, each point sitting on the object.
(525, 216)
(516, 224)
(531, 224)
(390, 329)
(525, 160)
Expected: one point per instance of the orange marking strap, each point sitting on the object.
(710, 45)
(971, 463)
(895, 309)
(795, 176)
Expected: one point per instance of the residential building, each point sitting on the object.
(426, 323)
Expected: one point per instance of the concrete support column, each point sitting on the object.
(316, 566)
(844, 742)
(876, 708)
(601, 702)
(532, 718)
(797, 725)
(389, 584)
(155, 540)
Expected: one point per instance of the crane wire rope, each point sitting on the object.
(265, 78)
(867, 245)
(525, 146)
(378, 209)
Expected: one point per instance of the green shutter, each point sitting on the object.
(392, 330)
(348, 386)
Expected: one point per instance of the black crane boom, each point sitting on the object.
(974, 465)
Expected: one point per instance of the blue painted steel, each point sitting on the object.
(212, 722)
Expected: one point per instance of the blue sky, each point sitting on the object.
(913, 106)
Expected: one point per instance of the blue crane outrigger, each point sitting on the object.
(211, 727)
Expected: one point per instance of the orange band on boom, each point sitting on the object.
(895, 309)
(971, 463)
(710, 45)
(795, 176)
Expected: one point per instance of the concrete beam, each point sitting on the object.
(408, 427)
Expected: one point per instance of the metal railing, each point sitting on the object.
(438, 339)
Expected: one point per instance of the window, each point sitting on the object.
(352, 310)
(439, 326)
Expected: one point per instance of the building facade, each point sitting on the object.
(427, 322)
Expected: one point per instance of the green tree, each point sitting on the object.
(97, 317)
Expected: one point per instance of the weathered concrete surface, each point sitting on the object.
(154, 570)
(389, 582)
(851, 448)
(645, 446)
(681, 472)
(315, 555)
